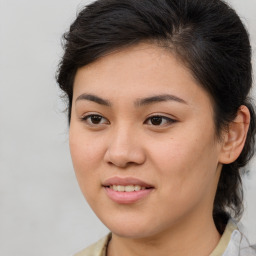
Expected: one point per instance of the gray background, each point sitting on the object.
(42, 211)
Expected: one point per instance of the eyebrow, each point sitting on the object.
(93, 98)
(137, 103)
(158, 98)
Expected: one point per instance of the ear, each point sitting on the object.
(235, 137)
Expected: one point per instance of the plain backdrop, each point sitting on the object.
(42, 211)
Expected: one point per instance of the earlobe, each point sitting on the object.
(235, 137)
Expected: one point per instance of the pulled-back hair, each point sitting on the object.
(206, 35)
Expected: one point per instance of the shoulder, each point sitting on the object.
(239, 245)
(233, 243)
(96, 249)
(245, 248)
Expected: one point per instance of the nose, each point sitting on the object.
(124, 149)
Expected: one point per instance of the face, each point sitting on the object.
(142, 141)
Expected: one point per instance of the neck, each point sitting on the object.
(187, 238)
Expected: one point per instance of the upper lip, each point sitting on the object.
(125, 181)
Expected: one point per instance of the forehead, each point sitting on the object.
(138, 71)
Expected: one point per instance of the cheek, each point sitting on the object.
(177, 153)
(87, 154)
(85, 149)
(186, 163)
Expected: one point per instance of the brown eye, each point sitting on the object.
(95, 119)
(156, 120)
(159, 121)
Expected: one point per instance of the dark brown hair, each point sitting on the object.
(207, 35)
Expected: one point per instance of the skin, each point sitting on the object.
(178, 155)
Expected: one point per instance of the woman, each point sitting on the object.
(160, 123)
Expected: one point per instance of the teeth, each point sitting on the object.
(137, 188)
(129, 188)
(120, 188)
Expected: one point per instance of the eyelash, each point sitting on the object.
(85, 119)
(168, 120)
(157, 117)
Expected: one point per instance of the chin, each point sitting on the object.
(132, 229)
(133, 234)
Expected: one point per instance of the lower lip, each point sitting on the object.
(127, 197)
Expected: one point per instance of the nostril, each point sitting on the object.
(123, 154)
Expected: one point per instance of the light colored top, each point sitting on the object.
(232, 243)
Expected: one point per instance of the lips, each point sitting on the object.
(126, 190)
(126, 182)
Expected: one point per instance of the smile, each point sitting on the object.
(129, 188)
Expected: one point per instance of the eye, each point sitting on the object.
(159, 120)
(94, 119)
